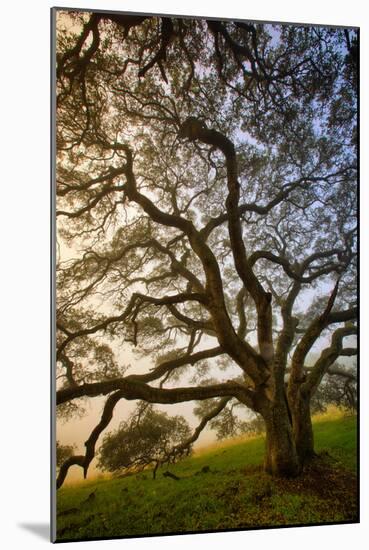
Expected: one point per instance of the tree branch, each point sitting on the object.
(312, 333)
(169, 366)
(194, 129)
(241, 352)
(204, 421)
(85, 461)
(326, 359)
(263, 210)
(135, 298)
(288, 269)
(131, 390)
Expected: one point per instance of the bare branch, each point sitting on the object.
(326, 359)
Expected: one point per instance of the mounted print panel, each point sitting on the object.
(205, 373)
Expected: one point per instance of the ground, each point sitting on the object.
(222, 487)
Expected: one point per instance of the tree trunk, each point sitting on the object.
(302, 428)
(281, 458)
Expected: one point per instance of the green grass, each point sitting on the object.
(235, 493)
(338, 437)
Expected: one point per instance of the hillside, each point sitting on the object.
(222, 487)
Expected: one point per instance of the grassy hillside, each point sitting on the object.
(223, 487)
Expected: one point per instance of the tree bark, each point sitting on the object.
(281, 457)
(302, 429)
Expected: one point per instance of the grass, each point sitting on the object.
(222, 487)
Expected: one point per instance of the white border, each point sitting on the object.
(24, 230)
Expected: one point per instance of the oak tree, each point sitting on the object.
(149, 438)
(206, 214)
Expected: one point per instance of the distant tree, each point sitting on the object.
(339, 388)
(147, 438)
(229, 420)
(255, 425)
(63, 452)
